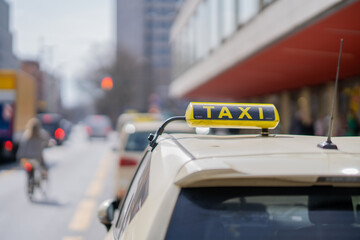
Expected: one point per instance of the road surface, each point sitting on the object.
(80, 178)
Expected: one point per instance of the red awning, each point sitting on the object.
(306, 57)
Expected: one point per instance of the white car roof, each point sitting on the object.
(153, 126)
(214, 160)
(189, 160)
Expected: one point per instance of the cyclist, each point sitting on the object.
(33, 142)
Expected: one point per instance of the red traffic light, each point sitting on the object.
(107, 83)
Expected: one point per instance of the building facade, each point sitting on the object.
(47, 87)
(279, 51)
(143, 28)
(130, 27)
(7, 57)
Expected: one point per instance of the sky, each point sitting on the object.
(64, 35)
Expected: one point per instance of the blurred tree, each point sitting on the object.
(77, 113)
(131, 85)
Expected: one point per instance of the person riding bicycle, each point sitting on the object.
(33, 142)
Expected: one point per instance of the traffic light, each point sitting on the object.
(107, 83)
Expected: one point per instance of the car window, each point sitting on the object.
(137, 141)
(136, 196)
(266, 213)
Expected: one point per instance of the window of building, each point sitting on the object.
(158, 24)
(220, 13)
(192, 37)
(170, 1)
(176, 57)
(163, 11)
(205, 27)
(229, 21)
(197, 42)
(202, 30)
(183, 49)
(214, 23)
(157, 37)
(247, 10)
(188, 46)
(162, 63)
(158, 51)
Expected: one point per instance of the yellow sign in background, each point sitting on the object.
(7, 80)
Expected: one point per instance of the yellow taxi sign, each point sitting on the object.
(232, 115)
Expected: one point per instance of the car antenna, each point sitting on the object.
(328, 144)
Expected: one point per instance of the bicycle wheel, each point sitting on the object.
(30, 187)
(44, 184)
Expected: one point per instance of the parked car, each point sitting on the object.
(55, 125)
(130, 117)
(133, 140)
(98, 126)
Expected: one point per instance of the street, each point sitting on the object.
(80, 178)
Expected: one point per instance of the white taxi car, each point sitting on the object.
(133, 139)
(133, 116)
(240, 187)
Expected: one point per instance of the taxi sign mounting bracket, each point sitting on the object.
(265, 132)
(153, 138)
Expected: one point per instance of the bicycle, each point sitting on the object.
(36, 177)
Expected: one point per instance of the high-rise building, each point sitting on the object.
(143, 28)
(7, 57)
(130, 27)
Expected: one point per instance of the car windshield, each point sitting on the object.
(50, 122)
(266, 213)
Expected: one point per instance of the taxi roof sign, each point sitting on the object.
(225, 115)
(232, 115)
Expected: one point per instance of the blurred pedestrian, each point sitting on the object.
(302, 122)
(352, 124)
(301, 125)
(321, 125)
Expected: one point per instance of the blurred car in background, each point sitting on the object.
(98, 126)
(57, 127)
(67, 126)
(136, 117)
(133, 139)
